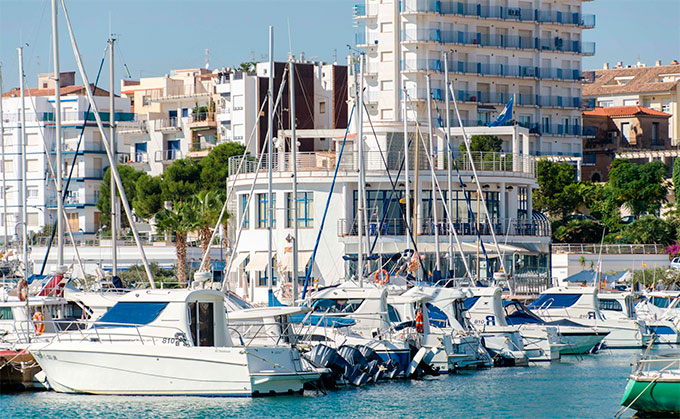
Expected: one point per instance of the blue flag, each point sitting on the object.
(504, 116)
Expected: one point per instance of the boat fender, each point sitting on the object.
(22, 290)
(385, 277)
(39, 323)
(419, 322)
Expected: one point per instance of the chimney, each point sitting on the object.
(302, 57)
(619, 64)
(606, 66)
(658, 63)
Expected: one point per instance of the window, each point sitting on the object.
(33, 140)
(605, 103)
(73, 221)
(262, 210)
(33, 219)
(661, 302)
(386, 56)
(386, 27)
(322, 107)
(8, 166)
(655, 132)
(625, 130)
(202, 323)
(387, 85)
(244, 211)
(610, 304)
(32, 192)
(32, 166)
(185, 112)
(146, 100)
(128, 314)
(331, 306)
(630, 102)
(393, 314)
(305, 207)
(6, 313)
(262, 278)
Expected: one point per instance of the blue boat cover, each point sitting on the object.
(554, 301)
(130, 314)
(437, 317)
(589, 275)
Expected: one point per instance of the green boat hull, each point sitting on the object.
(659, 397)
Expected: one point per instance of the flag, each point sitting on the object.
(504, 116)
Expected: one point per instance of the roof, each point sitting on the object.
(620, 111)
(644, 80)
(68, 90)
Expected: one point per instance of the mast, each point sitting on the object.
(4, 186)
(112, 140)
(361, 184)
(22, 167)
(433, 197)
(58, 137)
(293, 148)
(406, 172)
(270, 140)
(449, 161)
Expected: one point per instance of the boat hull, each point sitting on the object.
(98, 368)
(658, 397)
(580, 343)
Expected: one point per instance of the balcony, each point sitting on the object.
(75, 116)
(165, 156)
(360, 39)
(374, 161)
(74, 200)
(551, 129)
(558, 102)
(136, 159)
(168, 125)
(514, 14)
(484, 69)
(362, 12)
(202, 121)
(555, 44)
(463, 227)
(170, 93)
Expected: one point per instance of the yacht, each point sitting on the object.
(621, 305)
(486, 313)
(581, 305)
(168, 342)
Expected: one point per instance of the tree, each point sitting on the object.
(147, 200)
(649, 230)
(553, 180)
(246, 66)
(640, 187)
(676, 177)
(578, 231)
(215, 166)
(180, 220)
(136, 274)
(128, 176)
(180, 180)
(206, 206)
(488, 143)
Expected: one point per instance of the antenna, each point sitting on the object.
(290, 43)
(207, 58)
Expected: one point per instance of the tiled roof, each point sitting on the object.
(619, 111)
(645, 80)
(67, 90)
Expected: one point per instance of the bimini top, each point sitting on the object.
(350, 291)
(171, 295)
(441, 293)
(409, 297)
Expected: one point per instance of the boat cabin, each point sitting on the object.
(568, 302)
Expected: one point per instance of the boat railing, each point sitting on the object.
(260, 331)
(97, 331)
(657, 365)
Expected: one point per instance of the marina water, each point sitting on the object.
(576, 387)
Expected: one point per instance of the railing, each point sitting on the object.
(397, 227)
(361, 39)
(610, 249)
(75, 200)
(178, 92)
(500, 41)
(170, 124)
(167, 155)
(42, 241)
(360, 10)
(498, 12)
(376, 161)
(203, 117)
(503, 70)
(139, 157)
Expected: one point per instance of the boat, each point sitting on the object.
(168, 342)
(654, 387)
(581, 305)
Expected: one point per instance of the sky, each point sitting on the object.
(156, 36)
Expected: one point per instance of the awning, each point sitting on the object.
(258, 262)
(287, 260)
(238, 259)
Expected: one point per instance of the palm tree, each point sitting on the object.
(180, 220)
(206, 205)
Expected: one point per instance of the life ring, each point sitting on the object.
(22, 290)
(39, 323)
(385, 279)
(420, 324)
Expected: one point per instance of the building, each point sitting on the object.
(654, 87)
(91, 160)
(529, 50)
(617, 131)
(176, 115)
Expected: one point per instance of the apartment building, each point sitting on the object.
(497, 49)
(90, 158)
(176, 115)
(654, 87)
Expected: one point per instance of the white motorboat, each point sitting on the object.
(581, 305)
(168, 342)
(535, 342)
(655, 309)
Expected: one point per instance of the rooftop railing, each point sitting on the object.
(498, 12)
(178, 92)
(376, 161)
(610, 249)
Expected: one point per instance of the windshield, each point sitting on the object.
(328, 305)
(516, 313)
(546, 301)
(237, 301)
(661, 302)
(130, 314)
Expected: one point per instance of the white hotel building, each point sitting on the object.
(91, 161)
